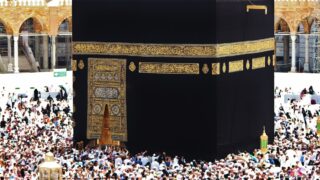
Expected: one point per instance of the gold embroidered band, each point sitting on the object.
(174, 50)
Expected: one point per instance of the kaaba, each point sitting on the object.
(187, 77)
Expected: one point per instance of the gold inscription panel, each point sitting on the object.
(235, 66)
(168, 68)
(258, 63)
(215, 68)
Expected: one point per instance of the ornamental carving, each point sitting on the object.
(132, 67)
(97, 108)
(81, 64)
(205, 69)
(106, 76)
(248, 64)
(115, 109)
(224, 68)
(168, 68)
(106, 93)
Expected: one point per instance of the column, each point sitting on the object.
(67, 57)
(285, 49)
(10, 63)
(45, 52)
(53, 51)
(306, 56)
(293, 54)
(16, 54)
(37, 48)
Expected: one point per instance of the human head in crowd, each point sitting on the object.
(31, 128)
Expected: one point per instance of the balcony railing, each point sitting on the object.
(33, 3)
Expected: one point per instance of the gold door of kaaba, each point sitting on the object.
(107, 92)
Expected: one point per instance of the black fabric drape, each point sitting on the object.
(198, 116)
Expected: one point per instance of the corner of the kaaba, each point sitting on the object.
(244, 104)
(80, 94)
(196, 84)
(245, 99)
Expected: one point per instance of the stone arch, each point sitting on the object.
(56, 22)
(312, 22)
(303, 26)
(70, 23)
(38, 25)
(306, 23)
(38, 21)
(281, 26)
(69, 20)
(7, 26)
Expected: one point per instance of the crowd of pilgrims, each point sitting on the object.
(32, 126)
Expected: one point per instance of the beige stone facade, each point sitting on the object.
(290, 13)
(43, 48)
(294, 20)
(48, 18)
